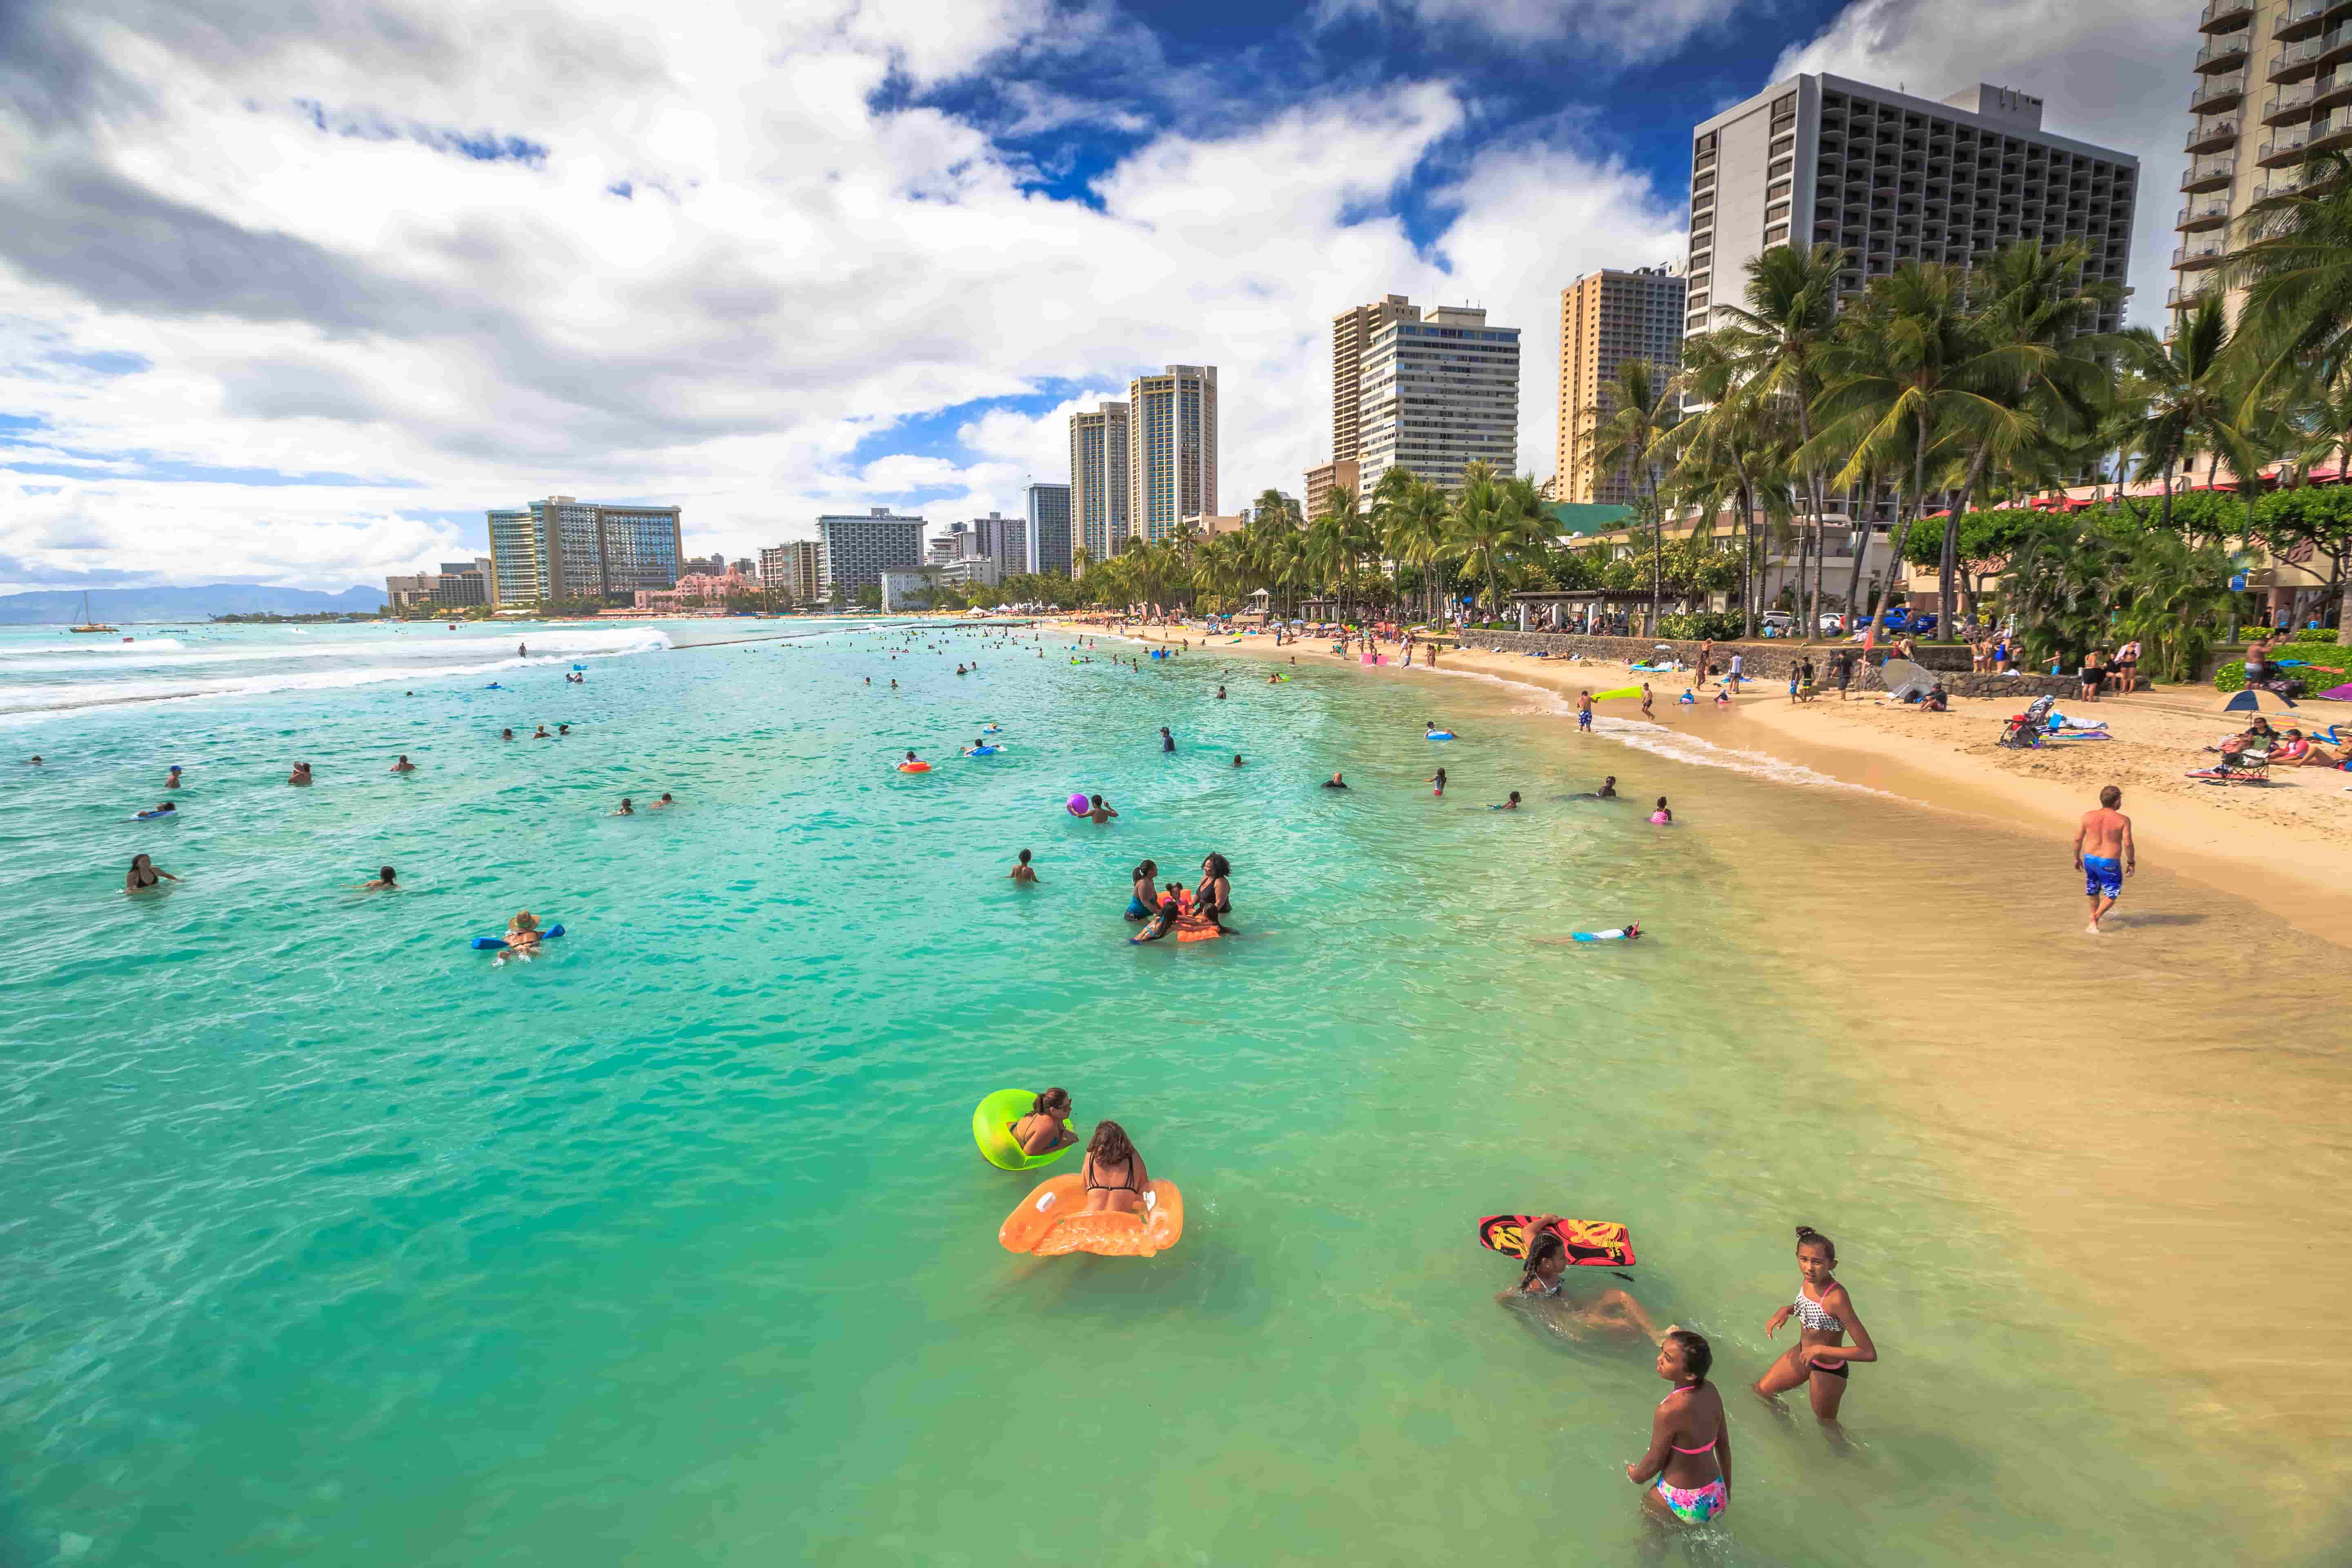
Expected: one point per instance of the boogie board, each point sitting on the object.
(1591, 1243)
(1615, 692)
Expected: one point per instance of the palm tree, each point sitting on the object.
(1492, 518)
(1913, 377)
(1634, 412)
(2296, 268)
(1774, 342)
(2196, 394)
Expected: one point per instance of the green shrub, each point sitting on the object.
(2313, 634)
(2316, 674)
(1720, 624)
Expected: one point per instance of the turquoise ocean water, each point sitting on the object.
(334, 1242)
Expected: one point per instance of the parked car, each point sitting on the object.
(1833, 623)
(1780, 622)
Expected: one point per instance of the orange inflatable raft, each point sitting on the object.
(1052, 1221)
(914, 767)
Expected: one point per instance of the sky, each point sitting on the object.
(292, 294)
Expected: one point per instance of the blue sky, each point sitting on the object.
(320, 297)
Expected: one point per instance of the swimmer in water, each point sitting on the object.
(34, 760)
(1510, 804)
(1685, 1476)
(171, 781)
(506, 734)
(1022, 873)
(1608, 790)
(1539, 1285)
(1099, 810)
(1662, 816)
(1166, 740)
(1237, 759)
(543, 735)
(385, 882)
(627, 808)
(1143, 892)
(1437, 779)
(1825, 1315)
(301, 776)
(522, 936)
(561, 731)
(403, 765)
(1214, 896)
(144, 874)
(1220, 694)
(1335, 781)
(1046, 1127)
(663, 803)
(1164, 918)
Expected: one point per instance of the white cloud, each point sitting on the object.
(1630, 30)
(2107, 71)
(792, 273)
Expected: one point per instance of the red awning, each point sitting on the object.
(2078, 503)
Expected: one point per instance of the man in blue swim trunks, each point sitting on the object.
(2104, 854)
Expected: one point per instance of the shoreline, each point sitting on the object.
(2286, 847)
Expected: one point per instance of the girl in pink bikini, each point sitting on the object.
(1687, 1472)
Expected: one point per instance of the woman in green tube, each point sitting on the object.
(1044, 1129)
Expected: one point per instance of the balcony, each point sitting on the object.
(2183, 298)
(2333, 47)
(2225, 53)
(2221, 16)
(2288, 149)
(2296, 61)
(2330, 132)
(2204, 214)
(2212, 136)
(2195, 257)
(2209, 174)
(2302, 18)
(2332, 94)
(2287, 105)
(2215, 94)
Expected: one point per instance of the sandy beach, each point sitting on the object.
(2285, 846)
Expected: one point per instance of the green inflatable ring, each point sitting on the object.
(992, 1129)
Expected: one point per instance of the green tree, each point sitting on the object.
(1631, 423)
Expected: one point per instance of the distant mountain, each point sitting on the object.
(117, 605)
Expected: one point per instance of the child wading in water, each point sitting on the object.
(1825, 1315)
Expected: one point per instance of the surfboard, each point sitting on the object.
(1591, 1243)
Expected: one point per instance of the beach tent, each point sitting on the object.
(2252, 701)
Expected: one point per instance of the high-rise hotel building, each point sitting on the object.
(1436, 392)
(1099, 486)
(1172, 464)
(562, 548)
(1047, 540)
(1605, 318)
(2273, 87)
(1351, 335)
(792, 571)
(855, 549)
(1891, 178)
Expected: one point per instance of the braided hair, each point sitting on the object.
(1540, 1252)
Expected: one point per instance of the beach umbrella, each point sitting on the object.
(1902, 678)
(2340, 693)
(2254, 700)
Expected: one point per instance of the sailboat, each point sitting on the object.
(88, 625)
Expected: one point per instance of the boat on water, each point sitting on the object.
(88, 625)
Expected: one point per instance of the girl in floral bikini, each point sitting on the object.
(1824, 1315)
(1687, 1472)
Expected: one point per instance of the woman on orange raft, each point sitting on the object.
(1042, 1130)
(1113, 1173)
